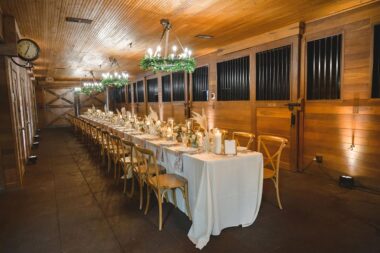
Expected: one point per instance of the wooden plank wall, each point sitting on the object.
(18, 122)
(330, 127)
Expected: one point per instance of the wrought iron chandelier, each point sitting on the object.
(115, 80)
(173, 62)
(91, 87)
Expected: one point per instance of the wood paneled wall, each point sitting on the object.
(18, 122)
(18, 117)
(345, 131)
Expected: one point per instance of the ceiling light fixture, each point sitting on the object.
(116, 79)
(204, 36)
(175, 61)
(78, 20)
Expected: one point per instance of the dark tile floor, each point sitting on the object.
(69, 205)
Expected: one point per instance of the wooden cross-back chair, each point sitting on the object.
(243, 135)
(82, 128)
(93, 136)
(115, 152)
(128, 163)
(272, 160)
(106, 148)
(143, 168)
(160, 183)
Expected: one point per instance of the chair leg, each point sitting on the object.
(186, 197)
(118, 173)
(114, 168)
(278, 194)
(125, 183)
(174, 197)
(141, 193)
(130, 194)
(148, 193)
(159, 199)
(109, 164)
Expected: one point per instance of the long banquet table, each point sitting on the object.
(224, 191)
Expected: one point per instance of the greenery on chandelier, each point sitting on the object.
(91, 87)
(156, 64)
(115, 82)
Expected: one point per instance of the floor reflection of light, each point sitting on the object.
(352, 154)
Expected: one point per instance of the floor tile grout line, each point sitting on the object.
(98, 203)
(57, 209)
(101, 209)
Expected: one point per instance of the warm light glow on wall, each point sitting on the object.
(161, 111)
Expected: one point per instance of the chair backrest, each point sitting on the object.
(129, 149)
(92, 130)
(274, 158)
(145, 160)
(117, 143)
(243, 135)
(106, 144)
(99, 136)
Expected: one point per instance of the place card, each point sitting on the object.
(230, 147)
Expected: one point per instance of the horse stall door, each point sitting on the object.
(277, 106)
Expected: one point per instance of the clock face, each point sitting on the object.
(28, 50)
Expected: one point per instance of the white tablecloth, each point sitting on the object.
(224, 191)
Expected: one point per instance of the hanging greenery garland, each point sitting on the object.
(115, 80)
(89, 88)
(156, 64)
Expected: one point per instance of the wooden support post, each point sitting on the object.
(10, 37)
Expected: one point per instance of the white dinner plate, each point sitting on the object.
(241, 149)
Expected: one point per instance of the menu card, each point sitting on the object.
(230, 147)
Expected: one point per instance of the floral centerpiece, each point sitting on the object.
(203, 138)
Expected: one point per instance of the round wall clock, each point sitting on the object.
(27, 49)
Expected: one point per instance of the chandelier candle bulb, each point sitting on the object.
(150, 52)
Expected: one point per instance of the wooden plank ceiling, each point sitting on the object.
(71, 50)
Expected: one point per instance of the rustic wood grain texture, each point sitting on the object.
(70, 50)
(332, 127)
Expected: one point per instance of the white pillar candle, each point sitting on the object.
(171, 122)
(169, 132)
(218, 142)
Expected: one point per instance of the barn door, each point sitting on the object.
(18, 116)
(58, 103)
(276, 106)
